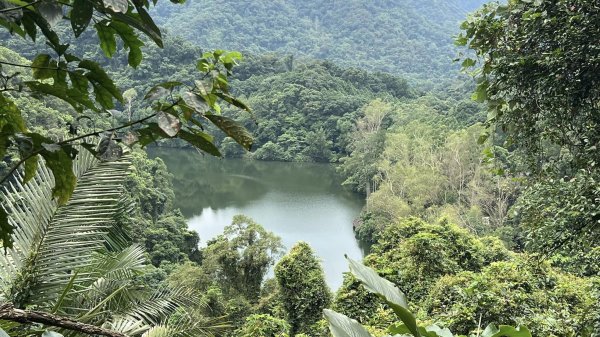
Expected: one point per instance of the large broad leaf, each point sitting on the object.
(201, 141)
(74, 97)
(387, 291)
(117, 5)
(49, 333)
(61, 165)
(505, 331)
(81, 14)
(168, 123)
(233, 129)
(430, 331)
(106, 35)
(98, 75)
(131, 41)
(41, 67)
(343, 326)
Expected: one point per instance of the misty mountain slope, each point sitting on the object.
(410, 37)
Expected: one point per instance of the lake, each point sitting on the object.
(296, 201)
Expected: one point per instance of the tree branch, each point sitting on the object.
(10, 313)
(27, 66)
(64, 142)
(4, 10)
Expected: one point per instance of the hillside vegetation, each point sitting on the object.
(412, 38)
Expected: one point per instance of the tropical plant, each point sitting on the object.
(72, 266)
(343, 326)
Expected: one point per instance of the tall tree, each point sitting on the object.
(241, 257)
(304, 292)
(538, 69)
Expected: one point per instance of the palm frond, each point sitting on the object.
(51, 242)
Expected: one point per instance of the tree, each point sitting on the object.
(241, 257)
(304, 292)
(178, 110)
(73, 264)
(539, 75)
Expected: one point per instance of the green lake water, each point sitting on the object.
(297, 201)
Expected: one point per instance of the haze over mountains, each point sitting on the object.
(412, 38)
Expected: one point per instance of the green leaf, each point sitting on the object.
(505, 331)
(41, 67)
(343, 326)
(61, 165)
(81, 14)
(161, 90)
(103, 97)
(49, 333)
(106, 35)
(50, 34)
(146, 25)
(97, 75)
(71, 96)
(233, 101)
(387, 291)
(117, 5)
(6, 230)
(3, 333)
(232, 129)
(29, 26)
(31, 166)
(79, 81)
(131, 41)
(201, 141)
(168, 123)
(195, 102)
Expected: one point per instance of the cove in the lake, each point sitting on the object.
(296, 201)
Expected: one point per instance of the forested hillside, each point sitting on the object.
(411, 38)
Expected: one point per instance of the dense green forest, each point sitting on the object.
(412, 38)
(482, 194)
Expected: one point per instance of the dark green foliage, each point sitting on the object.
(455, 277)
(240, 258)
(263, 326)
(409, 37)
(514, 292)
(537, 70)
(154, 223)
(304, 293)
(308, 112)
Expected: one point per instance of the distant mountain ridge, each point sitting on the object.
(412, 38)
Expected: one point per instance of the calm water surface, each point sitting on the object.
(297, 201)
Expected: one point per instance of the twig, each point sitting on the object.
(19, 7)
(27, 66)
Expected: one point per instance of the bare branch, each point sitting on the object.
(9, 313)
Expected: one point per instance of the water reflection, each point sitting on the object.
(297, 201)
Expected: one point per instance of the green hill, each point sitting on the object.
(412, 38)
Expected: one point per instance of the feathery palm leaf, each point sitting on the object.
(51, 242)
